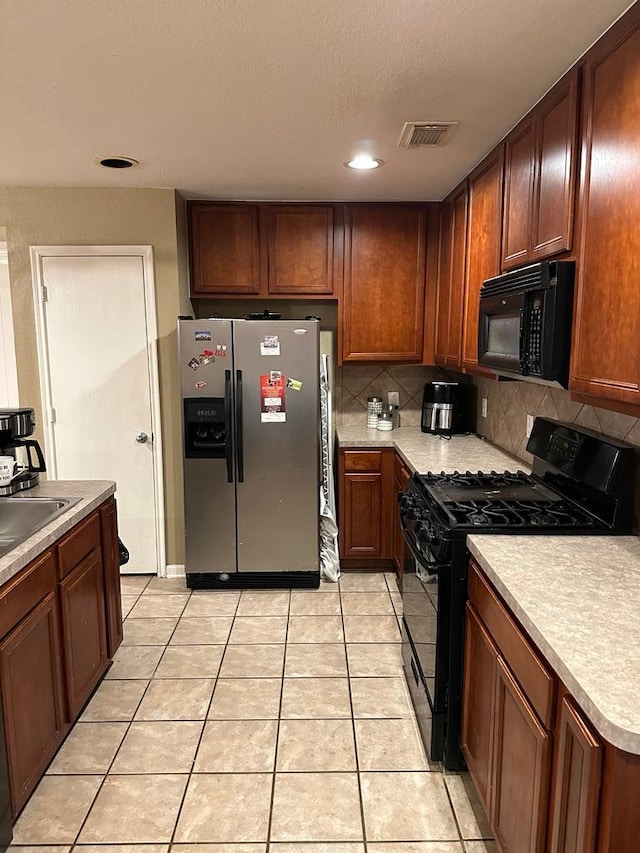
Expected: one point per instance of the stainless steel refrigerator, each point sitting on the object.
(251, 432)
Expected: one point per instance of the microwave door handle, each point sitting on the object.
(524, 337)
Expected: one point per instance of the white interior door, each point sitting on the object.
(99, 386)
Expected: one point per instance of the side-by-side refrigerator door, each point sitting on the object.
(277, 409)
(206, 380)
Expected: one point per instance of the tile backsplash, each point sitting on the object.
(509, 403)
(355, 382)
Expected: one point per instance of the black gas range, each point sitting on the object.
(581, 484)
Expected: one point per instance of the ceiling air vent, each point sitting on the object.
(426, 134)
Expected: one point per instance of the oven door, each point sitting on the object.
(501, 332)
(425, 638)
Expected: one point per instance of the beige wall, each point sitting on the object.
(87, 216)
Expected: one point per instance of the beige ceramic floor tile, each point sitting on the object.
(190, 662)
(318, 661)
(114, 701)
(158, 747)
(371, 629)
(366, 604)
(316, 847)
(167, 585)
(216, 848)
(392, 582)
(315, 629)
(176, 699)
(466, 805)
(128, 601)
(121, 848)
(395, 807)
(55, 812)
(396, 601)
(135, 662)
(246, 699)
(316, 745)
(389, 745)
(374, 659)
(237, 746)
(380, 698)
(363, 582)
(212, 603)
(252, 661)
(416, 847)
(89, 748)
(264, 604)
(316, 807)
(258, 629)
(201, 631)
(134, 584)
(149, 605)
(315, 604)
(481, 847)
(134, 810)
(148, 632)
(211, 808)
(45, 848)
(315, 698)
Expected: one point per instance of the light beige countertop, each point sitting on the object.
(578, 597)
(424, 452)
(91, 493)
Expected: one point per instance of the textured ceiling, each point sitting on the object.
(265, 99)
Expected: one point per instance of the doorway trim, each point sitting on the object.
(145, 253)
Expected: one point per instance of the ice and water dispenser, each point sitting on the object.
(207, 428)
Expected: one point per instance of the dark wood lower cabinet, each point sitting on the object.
(521, 757)
(366, 508)
(32, 697)
(577, 784)
(400, 479)
(111, 567)
(83, 630)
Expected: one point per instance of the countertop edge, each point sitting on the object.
(98, 492)
(622, 738)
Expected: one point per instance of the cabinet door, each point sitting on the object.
(577, 783)
(32, 697)
(400, 481)
(518, 190)
(605, 358)
(301, 249)
(111, 566)
(556, 165)
(83, 630)
(483, 245)
(458, 259)
(521, 753)
(384, 283)
(362, 505)
(224, 253)
(444, 283)
(478, 703)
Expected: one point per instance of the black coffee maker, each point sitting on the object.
(15, 427)
(444, 408)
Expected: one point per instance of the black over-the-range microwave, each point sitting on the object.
(524, 328)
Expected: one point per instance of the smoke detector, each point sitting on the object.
(426, 134)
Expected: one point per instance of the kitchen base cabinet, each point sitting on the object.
(111, 567)
(401, 477)
(366, 506)
(32, 697)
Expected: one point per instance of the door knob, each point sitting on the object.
(141, 437)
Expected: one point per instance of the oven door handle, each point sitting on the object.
(432, 567)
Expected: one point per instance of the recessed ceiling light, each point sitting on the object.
(363, 163)
(117, 162)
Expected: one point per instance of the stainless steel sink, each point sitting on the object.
(22, 516)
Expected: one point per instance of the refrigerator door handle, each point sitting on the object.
(239, 443)
(228, 425)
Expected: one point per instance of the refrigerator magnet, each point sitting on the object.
(206, 356)
(270, 345)
(203, 336)
(294, 384)
(201, 385)
(194, 364)
(272, 399)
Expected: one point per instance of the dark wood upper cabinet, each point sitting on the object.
(540, 177)
(384, 282)
(459, 201)
(300, 249)
(483, 245)
(605, 358)
(518, 193)
(444, 283)
(224, 251)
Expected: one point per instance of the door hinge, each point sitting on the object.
(52, 415)
(43, 293)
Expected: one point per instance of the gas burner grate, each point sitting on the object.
(523, 514)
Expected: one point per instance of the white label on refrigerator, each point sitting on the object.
(270, 345)
(273, 417)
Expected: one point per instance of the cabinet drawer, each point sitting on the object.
(78, 543)
(359, 460)
(537, 682)
(25, 590)
(400, 471)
